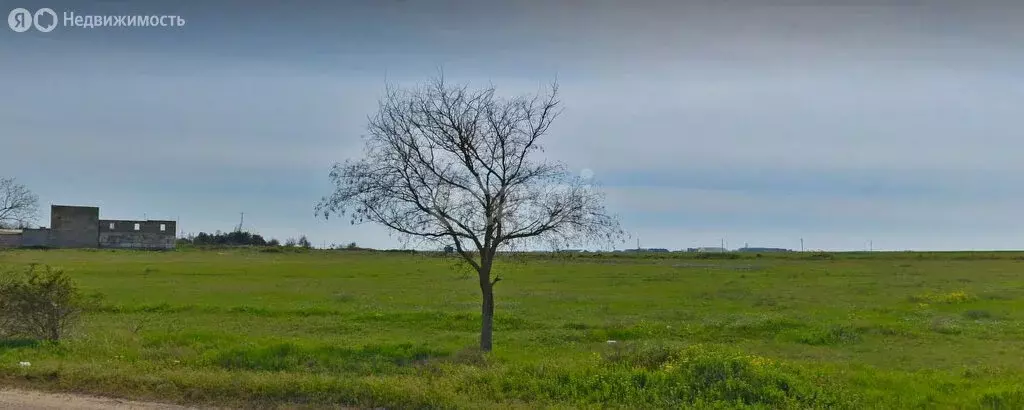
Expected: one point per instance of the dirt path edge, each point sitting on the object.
(16, 398)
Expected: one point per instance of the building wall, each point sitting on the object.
(10, 240)
(35, 237)
(137, 234)
(74, 226)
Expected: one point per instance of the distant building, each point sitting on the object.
(10, 238)
(638, 250)
(38, 237)
(763, 250)
(708, 250)
(81, 227)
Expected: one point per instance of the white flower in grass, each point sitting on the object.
(24, 364)
(611, 342)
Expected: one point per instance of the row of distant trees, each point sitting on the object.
(240, 238)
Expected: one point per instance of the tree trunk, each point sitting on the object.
(486, 313)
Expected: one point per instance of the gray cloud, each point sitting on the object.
(890, 118)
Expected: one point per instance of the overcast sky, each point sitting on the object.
(760, 122)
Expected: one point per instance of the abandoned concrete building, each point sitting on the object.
(81, 227)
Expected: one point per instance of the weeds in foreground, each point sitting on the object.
(660, 376)
(248, 329)
(38, 303)
(956, 297)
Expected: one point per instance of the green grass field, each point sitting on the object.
(366, 329)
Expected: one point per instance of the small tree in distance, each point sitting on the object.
(455, 166)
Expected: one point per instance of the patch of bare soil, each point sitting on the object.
(34, 400)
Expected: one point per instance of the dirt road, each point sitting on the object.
(33, 400)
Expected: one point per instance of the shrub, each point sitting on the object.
(41, 304)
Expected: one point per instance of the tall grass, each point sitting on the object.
(248, 328)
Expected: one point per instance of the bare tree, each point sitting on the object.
(18, 206)
(459, 167)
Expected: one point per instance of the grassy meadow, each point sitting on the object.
(373, 329)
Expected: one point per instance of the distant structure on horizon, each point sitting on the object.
(763, 250)
(81, 227)
(708, 249)
(638, 250)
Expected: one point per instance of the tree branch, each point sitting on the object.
(18, 206)
(446, 163)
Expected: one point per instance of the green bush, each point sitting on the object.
(38, 303)
(655, 376)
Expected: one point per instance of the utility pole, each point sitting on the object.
(871, 246)
(801, 244)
